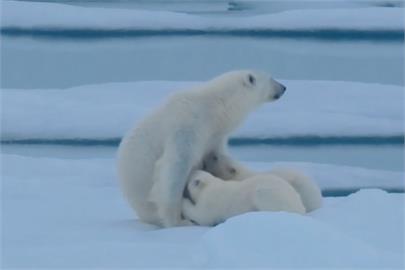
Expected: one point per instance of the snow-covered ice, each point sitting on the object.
(285, 240)
(70, 213)
(25, 15)
(308, 108)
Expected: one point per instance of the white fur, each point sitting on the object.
(213, 200)
(156, 157)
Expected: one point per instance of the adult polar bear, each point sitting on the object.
(156, 158)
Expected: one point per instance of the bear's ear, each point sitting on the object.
(250, 80)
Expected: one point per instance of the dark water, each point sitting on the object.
(226, 7)
(60, 58)
(346, 192)
(397, 140)
(36, 62)
(380, 157)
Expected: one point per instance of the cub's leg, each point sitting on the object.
(277, 194)
(309, 191)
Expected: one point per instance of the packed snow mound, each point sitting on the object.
(109, 110)
(25, 15)
(368, 213)
(280, 239)
(71, 213)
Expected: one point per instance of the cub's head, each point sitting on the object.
(197, 183)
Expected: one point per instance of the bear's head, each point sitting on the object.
(240, 92)
(262, 85)
(255, 86)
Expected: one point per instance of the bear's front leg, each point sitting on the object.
(172, 172)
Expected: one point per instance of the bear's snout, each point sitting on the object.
(280, 91)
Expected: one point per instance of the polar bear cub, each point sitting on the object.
(213, 200)
(308, 190)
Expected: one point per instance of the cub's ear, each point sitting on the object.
(199, 183)
(249, 80)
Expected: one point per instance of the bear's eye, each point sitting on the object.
(197, 182)
(232, 170)
(252, 79)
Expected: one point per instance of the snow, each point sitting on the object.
(109, 110)
(25, 15)
(70, 213)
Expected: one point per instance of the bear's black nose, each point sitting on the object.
(283, 88)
